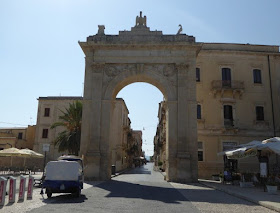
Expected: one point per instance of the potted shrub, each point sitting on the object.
(271, 186)
(221, 177)
(246, 180)
(216, 177)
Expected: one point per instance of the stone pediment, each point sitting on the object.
(140, 30)
(140, 33)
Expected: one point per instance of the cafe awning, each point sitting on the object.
(271, 145)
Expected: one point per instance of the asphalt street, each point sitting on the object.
(141, 190)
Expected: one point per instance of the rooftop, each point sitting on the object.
(61, 98)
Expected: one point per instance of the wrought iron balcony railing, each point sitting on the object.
(222, 84)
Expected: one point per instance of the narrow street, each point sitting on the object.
(141, 190)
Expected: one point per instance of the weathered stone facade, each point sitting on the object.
(18, 137)
(140, 55)
(49, 110)
(253, 82)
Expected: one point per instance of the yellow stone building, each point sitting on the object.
(238, 101)
(18, 137)
(49, 110)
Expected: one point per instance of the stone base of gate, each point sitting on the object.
(179, 170)
(92, 167)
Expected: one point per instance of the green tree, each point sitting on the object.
(71, 120)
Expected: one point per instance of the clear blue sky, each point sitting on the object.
(40, 55)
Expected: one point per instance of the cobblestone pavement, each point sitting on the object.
(139, 190)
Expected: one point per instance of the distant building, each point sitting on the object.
(137, 134)
(120, 129)
(160, 138)
(18, 137)
(49, 110)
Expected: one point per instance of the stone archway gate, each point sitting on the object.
(140, 55)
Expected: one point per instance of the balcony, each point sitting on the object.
(228, 123)
(220, 86)
(229, 126)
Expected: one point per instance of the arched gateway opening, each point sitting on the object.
(166, 61)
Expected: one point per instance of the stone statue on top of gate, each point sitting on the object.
(141, 21)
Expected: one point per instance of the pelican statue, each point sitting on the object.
(180, 29)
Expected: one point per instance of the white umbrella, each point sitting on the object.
(14, 152)
(242, 150)
(271, 145)
(31, 153)
(10, 152)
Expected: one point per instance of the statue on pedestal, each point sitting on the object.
(101, 29)
(180, 29)
(141, 21)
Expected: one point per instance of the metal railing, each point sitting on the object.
(225, 84)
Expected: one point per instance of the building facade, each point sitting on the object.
(49, 110)
(120, 129)
(238, 89)
(18, 137)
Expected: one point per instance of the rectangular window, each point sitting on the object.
(228, 119)
(198, 111)
(200, 151)
(47, 112)
(197, 74)
(259, 113)
(229, 145)
(45, 133)
(226, 77)
(20, 135)
(257, 76)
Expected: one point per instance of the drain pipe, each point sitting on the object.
(272, 106)
(271, 97)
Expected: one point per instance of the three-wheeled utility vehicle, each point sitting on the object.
(64, 176)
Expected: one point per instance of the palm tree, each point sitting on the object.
(71, 119)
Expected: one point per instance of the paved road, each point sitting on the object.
(141, 190)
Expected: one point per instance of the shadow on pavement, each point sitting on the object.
(64, 198)
(199, 193)
(131, 190)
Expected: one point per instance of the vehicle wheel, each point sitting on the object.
(78, 193)
(49, 193)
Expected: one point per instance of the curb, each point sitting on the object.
(261, 203)
(121, 172)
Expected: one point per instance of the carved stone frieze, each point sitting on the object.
(169, 70)
(97, 67)
(140, 68)
(153, 68)
(112, 71)
(182, 68)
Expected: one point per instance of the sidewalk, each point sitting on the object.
(254, 194)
